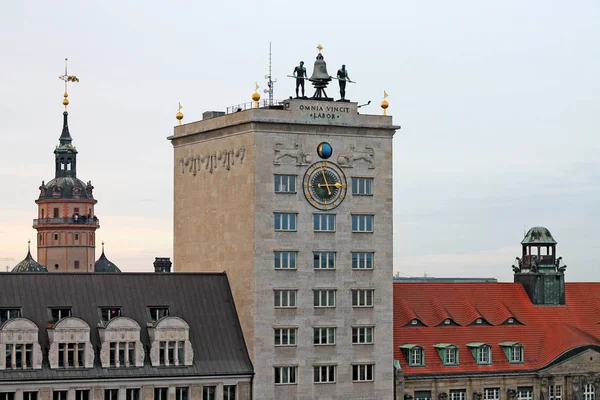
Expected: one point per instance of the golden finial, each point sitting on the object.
(320, 48)
(256, 95)
(103, 246)
(179, 117)
(67, 78)
(384, 103)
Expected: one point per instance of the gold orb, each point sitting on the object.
(255, 96)
(66, 102)
(384, 104)
(179, 116)
(66, 95)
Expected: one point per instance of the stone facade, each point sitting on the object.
(224, 221)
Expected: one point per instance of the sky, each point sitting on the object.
(498, 102)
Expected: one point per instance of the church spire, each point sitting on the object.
(65, 136)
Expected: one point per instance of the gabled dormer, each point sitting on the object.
(414, 354)
(482, 353)
(448, 353)
(513, 351)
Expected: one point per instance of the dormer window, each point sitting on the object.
(414, 322)
(510, 321)
(177, 351)
(479, 321)
(8, 313)
(19, 340)
(513, 351)
(70, 345)
(108, 313)
(481, 352)
(121, 345)
(448, 353)
(59, 313)
(447, 321)
(414, 354)
(157, 313)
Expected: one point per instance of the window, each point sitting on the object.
(157, 313)
(111, 394)
(7, 396)
(526, 393)
(56, 214)
(59, 313)
(285, 183)
(181, 393)
(555, 392)
(324, 297)
(459, 394)
(168, 350)
(362, 186)
(324, 260)
(30, 395)
(76, 264)
(324, 373)
(209, 393)
(285, 298)
(362, 297)
(516, 354)
(56, 237)
(416, 357)
(285, 221)
(108, 313)
(362, 260)
(362, 334)
(8, 313)
(285, 336)
(60, 395)
(362, 372)
(324, 222)
(285, 260)
(362, 223)
(451, 356)
(77, 236)
(484, 355)
(423, 395)
(324, 336)
(491, 394)
(75, 355)
(82, 395)
(229, 392)
(76, 210)
(285, 375)
(161, 393)
(132, 394)
(589, 392)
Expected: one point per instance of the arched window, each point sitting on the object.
(589, 392)
(121, 345)
(70, 345)
(19, 344)
(177, 349)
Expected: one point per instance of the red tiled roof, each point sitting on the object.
(546, 331)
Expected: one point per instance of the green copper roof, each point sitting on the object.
(509, 344)
(410, 346)
(397, 364)
(476, 344)
(444, 345)
(540, 235)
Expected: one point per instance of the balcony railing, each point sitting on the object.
(265, 103)
(67, 221)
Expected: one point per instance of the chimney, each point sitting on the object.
(162, 264)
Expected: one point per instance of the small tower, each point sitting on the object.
(66, 223)
(539, 271)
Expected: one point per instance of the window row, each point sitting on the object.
(323, 298)
(105, 314)
(323, 259)
(323, 336)
(555, 392)
(326, 373)
(448, 353)
(287, 222)
(361, 186)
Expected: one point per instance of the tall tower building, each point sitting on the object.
(66, 222)
(295, 202)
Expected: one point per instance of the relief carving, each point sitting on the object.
(141, 355)
(351, 155)
(76, 192)
(53, 355)
(104, 356)
(188, 353)
(211, 161)
(512, 394)
(37, 359)
(442, 396)
(56, 191)
(89, 355)
(477, 396)
(154, 358)
(296, 152)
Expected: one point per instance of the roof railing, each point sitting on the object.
(265, 103)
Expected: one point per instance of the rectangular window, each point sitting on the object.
(285, 221)
(362, 372)
(525, 393)
(161, 353)
(121, 354)
(285, 298)
(485, 355)
(180, 352)
(30, 395)
(59, 313)
(108, 313)
(324, 260)
(423, 395)
(324, 222)
(324, 297)
(70, 354)
(56, 213)
(555, 392)
(8, 313)
(60, 395)
(111, 394)
(8, 396)
(324, 336)
(458, 394)
(285, 336)
(76, 210)
(77, 236)
(451, 356)
(181, 393)
(285, 259)
(19, 356)
(161, 393)
(56, 236)
(82, 395)
(416, 356)
(324, 373)
(29, 355)
(491, 394)
(362, 260)
(229, 392)
(61, 355)
(132, 394)
(285, 183)
(362, 223)
(362, 186)
(285, 375)
(9, 351)
(209, 393)
(516, 354)
(362, 297)
(76, 264)
(589, 392)
(80, 354)
(157, 313)
(112, 354)
(131, 355)
(171, 352)
(362, 334)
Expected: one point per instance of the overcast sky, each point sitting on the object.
(499, 104)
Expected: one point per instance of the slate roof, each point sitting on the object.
(29, 265)
(203, 300)
(546, 332)
(103, 264)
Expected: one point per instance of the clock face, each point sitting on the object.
(324, 185)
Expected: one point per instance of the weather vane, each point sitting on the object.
(179, 114)
(67, 78)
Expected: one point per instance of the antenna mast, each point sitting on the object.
(271, 81)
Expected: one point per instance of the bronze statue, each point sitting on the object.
(343, 77)
(300, 74)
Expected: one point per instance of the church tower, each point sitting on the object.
(66, 222)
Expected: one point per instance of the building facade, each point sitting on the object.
(295, 203)
(113, 336)
(535, 339)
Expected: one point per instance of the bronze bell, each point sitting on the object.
(320, 71)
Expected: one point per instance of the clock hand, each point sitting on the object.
(337, 184)
(325, 178)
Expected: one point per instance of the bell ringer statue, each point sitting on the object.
(343, 77)
(300, 75)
